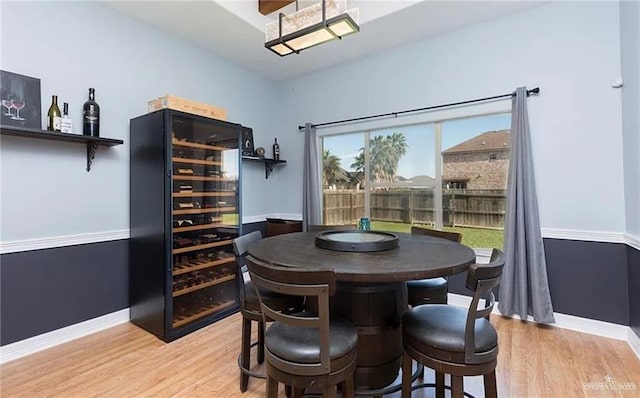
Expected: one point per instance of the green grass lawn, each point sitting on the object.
(472, 237)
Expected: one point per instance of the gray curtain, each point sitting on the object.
(311, 212)
(524, 289)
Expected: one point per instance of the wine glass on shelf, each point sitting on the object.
(18, 104)
(7, 104)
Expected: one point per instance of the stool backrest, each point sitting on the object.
(481, 279)
(297, 282)
(452, 236)
(240, 245)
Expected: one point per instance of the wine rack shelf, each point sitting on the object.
(184, 268)
(201, 178)
(92, 142)
(187, 144)
(182, 320)
(200, 286)
(203, 211)
(269, 164)
(202, 247)
(197, 227)
(196, 161)
(201, 194)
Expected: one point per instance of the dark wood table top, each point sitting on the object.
(416, 257)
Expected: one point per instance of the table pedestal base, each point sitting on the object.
(375, 309)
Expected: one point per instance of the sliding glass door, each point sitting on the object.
(447, 175)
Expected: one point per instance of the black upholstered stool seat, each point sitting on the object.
(455, 341)
(301, 345)
(427, 290)
(440, 330)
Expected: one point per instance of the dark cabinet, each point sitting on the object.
(185, 211)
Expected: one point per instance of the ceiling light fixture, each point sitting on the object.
(311, 26)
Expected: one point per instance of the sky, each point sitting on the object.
(420, 157)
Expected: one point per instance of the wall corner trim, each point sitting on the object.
(632, 240)
(564, 321)
(43, 341)
(16, 246)
(634, 342)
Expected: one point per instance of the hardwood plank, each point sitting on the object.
(125, 361)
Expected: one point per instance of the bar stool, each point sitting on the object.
(251, 312)
(432, 290)
(453, 340)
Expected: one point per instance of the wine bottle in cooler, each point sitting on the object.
(91, 116)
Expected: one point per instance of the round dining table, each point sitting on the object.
(371, 290)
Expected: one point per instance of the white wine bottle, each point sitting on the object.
(53, 116)
(91, 116)
(66, 125)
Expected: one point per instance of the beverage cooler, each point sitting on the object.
(185, 212)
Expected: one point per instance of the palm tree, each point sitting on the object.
(385, 153)
(330, 168)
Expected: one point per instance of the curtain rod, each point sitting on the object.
(535, 90)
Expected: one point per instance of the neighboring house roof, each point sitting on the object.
(489, 141)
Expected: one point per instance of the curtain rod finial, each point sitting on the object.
(535, 90)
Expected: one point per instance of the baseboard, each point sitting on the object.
(60, 241)
(564, 321)
(41, 342)
(634, 341)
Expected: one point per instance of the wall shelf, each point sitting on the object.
(269, 164)
(91, 142)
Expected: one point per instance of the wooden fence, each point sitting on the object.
(477, 208)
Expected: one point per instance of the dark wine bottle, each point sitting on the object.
(91, 116)
(276, 149)
(54, 116)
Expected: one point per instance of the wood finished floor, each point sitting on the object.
(125, 361)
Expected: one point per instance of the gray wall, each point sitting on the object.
(571, 50)
(630, 56)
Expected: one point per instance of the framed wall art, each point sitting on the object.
(247, 141)
(20, 97)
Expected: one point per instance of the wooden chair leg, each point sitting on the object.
(298, 392)
(439, 385)
(349, 387)
(288, 391)
(457, 390)
(272, 387)
(260, 342)
(329, 392)
(245, 353)
(490, 388)
(406, 375)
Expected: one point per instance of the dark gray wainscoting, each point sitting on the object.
(586, 279)
(633, 257)
(44, 290)
(255, 226)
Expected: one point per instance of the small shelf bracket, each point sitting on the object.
(268, 168)
(91, 154)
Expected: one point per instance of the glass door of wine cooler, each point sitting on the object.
(205, 218)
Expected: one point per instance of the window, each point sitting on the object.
(447, 175)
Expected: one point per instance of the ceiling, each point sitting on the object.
(234, 29)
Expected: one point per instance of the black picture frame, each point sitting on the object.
(247, 141)
(21, 102)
